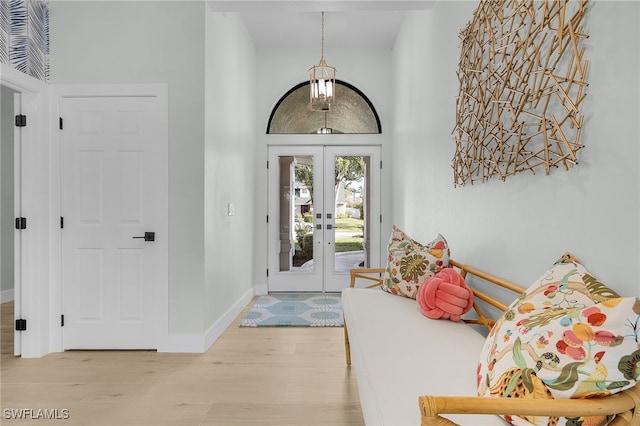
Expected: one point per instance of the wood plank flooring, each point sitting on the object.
(250, 376)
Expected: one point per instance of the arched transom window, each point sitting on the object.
(352, 113)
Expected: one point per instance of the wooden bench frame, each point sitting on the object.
(624, 404)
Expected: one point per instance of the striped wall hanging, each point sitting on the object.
(24, 36)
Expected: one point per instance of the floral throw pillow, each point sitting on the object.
(409, 263)
(566, 336)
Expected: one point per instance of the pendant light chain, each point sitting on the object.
(322, 38)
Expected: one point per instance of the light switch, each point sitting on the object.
(231, 209)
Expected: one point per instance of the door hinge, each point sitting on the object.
(21, 223)
(380, 164)
(60, 123)
(61, 222)
(61, 320)
(267, 218)
(21, 325)
(380, 218)
(267, 272)
(21, 120)
(267, 164)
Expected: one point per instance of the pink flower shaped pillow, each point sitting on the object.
(445, 295)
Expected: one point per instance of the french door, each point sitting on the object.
(324, 215)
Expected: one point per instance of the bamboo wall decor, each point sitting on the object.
(522, 82)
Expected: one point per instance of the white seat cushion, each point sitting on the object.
(398, 354)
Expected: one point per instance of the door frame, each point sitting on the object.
(57, 93)
(32, 287)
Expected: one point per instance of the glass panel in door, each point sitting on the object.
(352, 236)
(295, 219)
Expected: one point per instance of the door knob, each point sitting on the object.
(148, 236)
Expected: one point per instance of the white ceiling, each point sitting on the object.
(297, 23)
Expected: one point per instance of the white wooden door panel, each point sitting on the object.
(114, 191)
(90, 181)
(90, 272)
(130, 187)
(131, 285)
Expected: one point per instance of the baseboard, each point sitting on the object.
(182, 343)
(216, 330)
(200, 343)
(7, 296)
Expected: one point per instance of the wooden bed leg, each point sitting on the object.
(347, 347)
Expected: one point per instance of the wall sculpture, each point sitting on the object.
(24, 36)
(522, 82)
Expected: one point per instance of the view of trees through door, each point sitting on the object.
(321, 203)
(349, 179)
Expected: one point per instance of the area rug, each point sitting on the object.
(295, 310)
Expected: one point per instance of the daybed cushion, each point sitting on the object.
(409, 262)
(566, 336)
(398, 354)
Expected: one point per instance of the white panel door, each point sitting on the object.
(114, 207)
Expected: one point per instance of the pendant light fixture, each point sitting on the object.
(322, 79)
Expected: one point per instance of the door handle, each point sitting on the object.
(148, 236)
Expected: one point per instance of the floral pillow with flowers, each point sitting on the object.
(409, 263)
(566, 336)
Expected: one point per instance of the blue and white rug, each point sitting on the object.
(295, 310)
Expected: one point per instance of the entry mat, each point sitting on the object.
(295, 310)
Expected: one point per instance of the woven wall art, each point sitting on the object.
(522, 82)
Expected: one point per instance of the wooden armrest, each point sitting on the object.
(367, 274)
(624, 404)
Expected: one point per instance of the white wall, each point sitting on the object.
(6, 195)
(517, 228)
(151, 42)
(208, 61)
(367, 69)
(229, 165)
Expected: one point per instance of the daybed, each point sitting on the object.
(412, 370)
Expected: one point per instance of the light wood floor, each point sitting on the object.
(250, 376)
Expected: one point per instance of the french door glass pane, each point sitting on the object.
(350, 208)
(296, 175)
